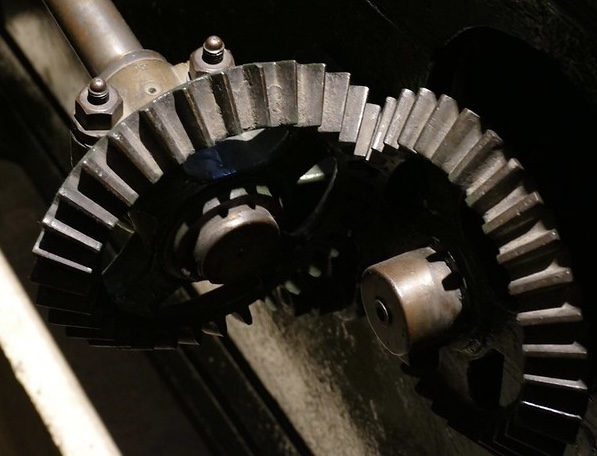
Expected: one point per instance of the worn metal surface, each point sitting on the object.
(407, 300)
(415, 46)
(98, 111)
(143, 417)
(230, 247)
(340, 406)
(96, 30)
(210, 58)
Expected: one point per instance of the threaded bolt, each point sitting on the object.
(213, 50)
(98, 91)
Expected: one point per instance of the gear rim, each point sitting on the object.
(282, 94)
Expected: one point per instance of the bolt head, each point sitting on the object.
(98, 85)
(210, 58)
(102, 115)
(213, 44)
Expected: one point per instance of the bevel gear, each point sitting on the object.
(130, 167)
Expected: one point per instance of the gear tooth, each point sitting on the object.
(126, 138)
(487, 168)
(552, 423)
(216, 328)
(244, 315)
(314, 271)
(310, 86)
(210, 204)
(281, 90)
(73, 319)
(163, 120)
(250, 97)
(564, 361)
(459, 141)
(334, 102)
(263, 190)
(385, 119)
(71, 195)
(237, 193)
(88, 333)
(439, 124)
(356, 100)
(186, 336)
(363, 145)
(495, 187)
(568, 351)
(538, 275)
(564, 314)
(334, 253)
(95, 165)
(222, 91)
(65, 251)
(292, 287)
(418, 116)
(54, 274)
(64, 300)
(521, 214)
(535, 243)
(554, 328)
(466, 171)
(50, 223)
(405, 102)
(71, 222)
(108, 344)
(270, 302)
(569, 396)
(206, 115)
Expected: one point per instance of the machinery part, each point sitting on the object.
(185, 123)
(407, 300)
(228, 248)
(109, 49)
(210, 58)
(98, 106)
(96, 30)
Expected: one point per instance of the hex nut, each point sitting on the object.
(101, 116)
(199, 65)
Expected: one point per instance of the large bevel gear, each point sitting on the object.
(99, 199)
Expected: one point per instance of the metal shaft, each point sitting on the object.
(96, 30)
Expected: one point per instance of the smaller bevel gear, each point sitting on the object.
(103, 262)
(551, 403)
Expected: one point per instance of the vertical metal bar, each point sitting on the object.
(45, 375)
(96, 30)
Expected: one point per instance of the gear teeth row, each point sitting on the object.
(496, 187)
(437, 127)
(457, 143)
(423, 107)
(136, 154)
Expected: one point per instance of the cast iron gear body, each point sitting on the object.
(154, 142)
